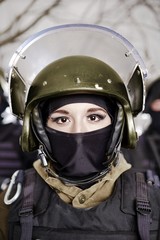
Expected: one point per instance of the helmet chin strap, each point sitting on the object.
(42, 156)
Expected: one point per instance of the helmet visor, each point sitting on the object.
(76, 39)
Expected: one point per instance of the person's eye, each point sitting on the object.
(60, 120)
(96, 117)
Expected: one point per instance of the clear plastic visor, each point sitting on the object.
(75, 39)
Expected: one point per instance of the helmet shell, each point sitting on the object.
(77, 75)
(76, 58)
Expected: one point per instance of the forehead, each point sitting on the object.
(80, 106)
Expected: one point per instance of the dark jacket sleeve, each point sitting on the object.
(4, 210)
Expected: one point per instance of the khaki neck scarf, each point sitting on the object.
(90, 197)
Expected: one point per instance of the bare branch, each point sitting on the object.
(37, 19)
(18, 17)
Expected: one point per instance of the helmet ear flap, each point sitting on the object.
(123, 132)
(38, 128)
(17, 96)
(117, 131)
(136, 91)
(28, 140)
(36, 133)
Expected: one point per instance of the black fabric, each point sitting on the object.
(114, 218)
(82, 154)
(26, 212)
(153, 93)
(155, 124)
(11, 155)
(146, 155)
(143, 207)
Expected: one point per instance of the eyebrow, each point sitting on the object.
(96, 109)
(90, 110)
(60, 111)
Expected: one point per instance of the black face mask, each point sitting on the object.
(79, 155)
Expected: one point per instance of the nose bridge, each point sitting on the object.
(78, 125)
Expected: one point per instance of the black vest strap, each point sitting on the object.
(143, 207)
(26, 212)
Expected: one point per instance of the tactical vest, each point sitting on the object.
(132, 211)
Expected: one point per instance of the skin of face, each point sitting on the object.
(155, 105)
(78, 118)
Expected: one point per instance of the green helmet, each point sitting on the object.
(76, 59)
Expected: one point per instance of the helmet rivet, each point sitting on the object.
(127, 54)
(100, 75)
(44, 83)
(13, 75)
(78, 80)
(138, 72)
(98, 87)
(21, 55)
(109, 80)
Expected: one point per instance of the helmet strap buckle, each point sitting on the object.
(42, 156)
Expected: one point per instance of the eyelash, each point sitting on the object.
(58, 118)
(99, 116)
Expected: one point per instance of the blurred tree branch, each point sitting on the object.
(12, 37)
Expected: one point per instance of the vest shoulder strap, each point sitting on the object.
(26, 211)
(139, 198)
(143, 207)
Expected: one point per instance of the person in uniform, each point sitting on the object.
(148, 146)
(78, 101)
(11, 155)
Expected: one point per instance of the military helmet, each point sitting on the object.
(73, 59)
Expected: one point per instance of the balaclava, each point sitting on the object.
(79, 155)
